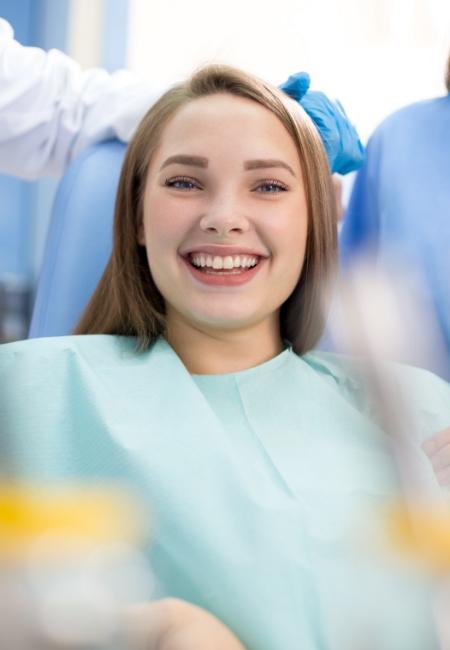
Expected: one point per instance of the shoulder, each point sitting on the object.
(6, 31)
(346, 368)
(81, 361)
(340, 367)
(343, 373)
(417, 393)
(417, 114)
(64, 344)
(58, 350)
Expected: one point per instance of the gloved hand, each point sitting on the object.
(340, 138)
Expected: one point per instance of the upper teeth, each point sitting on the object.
(227, 262)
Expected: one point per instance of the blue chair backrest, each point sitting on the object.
(78, 243)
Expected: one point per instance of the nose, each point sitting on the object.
(224, 217)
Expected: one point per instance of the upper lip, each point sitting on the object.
(222, 250)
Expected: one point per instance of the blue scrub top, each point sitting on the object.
(400, 205)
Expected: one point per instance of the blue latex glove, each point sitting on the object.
(341, 141)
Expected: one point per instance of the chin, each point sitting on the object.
(223, 320)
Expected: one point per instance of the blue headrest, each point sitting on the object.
(79, 239)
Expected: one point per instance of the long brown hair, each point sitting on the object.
(126, 300)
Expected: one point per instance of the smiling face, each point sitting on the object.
(224, 215)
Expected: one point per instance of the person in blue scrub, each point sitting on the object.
(191, 377)
(399, 209)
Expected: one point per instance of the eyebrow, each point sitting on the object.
(199, 161)
(264, 164)
(181, 159)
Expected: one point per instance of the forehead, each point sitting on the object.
(225, 121)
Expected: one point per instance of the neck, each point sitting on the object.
(211, 352)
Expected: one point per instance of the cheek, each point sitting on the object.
(162, 226)
(288, 234)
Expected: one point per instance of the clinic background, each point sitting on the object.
(373, 55)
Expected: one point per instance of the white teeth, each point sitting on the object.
(228, 262)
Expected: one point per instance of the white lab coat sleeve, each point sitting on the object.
(50, 109)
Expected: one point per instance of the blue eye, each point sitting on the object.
(182, 183)
(271, 187)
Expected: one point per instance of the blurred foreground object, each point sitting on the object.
(379, 319)
(384, 314)
(174, 624)
(69, 564)
(427, 537)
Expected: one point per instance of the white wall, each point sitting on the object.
(84, 38)
(374, 55)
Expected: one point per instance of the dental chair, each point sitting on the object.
(79, 239)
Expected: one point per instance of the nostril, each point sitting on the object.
(221, 225)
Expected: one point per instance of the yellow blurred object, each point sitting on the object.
(423, 533)
(65, 515)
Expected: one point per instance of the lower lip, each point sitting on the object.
(224, 279)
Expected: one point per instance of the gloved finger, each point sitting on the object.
(344, 149)
(297, 85)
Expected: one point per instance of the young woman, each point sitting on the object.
(264, 469)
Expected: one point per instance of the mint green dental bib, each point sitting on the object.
(264, 487)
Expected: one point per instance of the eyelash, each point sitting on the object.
(171, 182)
(278, 184)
